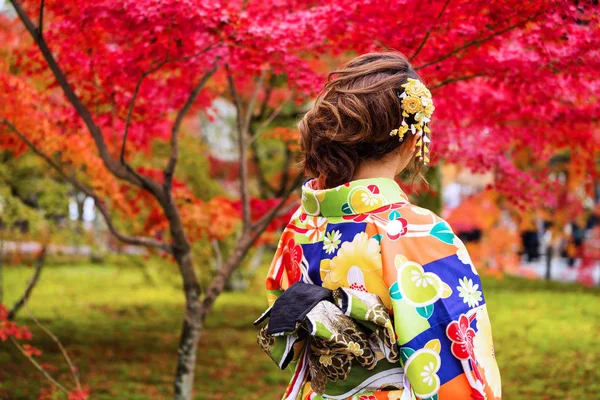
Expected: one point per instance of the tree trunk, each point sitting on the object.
(190, 331)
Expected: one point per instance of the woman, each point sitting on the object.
(357, 235)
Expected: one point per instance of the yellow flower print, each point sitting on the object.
(483, 347)
(411, 104)
(358, 266)
(355, 349)
(325, 360)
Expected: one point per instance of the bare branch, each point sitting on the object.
(40, 27)
(268, 93)
(246, 221)
(250, 109)
(263, 183)
(218, 253)
(243, 245)
(39, 264)
(271, 118)
(111, 164)
(146, 73)
(477, 42)
(285, 176)
(134, 240)
(262, 224)
(60, 346)
(382, 45)
(452, 80)
(38, 366)
(172, 163)
(422, 44)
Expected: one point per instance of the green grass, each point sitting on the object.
(122, 332)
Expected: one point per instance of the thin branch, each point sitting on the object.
(420, 47)
(243, 245)
(134, 240)
(146, 73)
(218, 253)
(285, 175)
(39, 367)
(283, 211)
(250, 109)
(172, 163)
(61, 347)
(261, 128)
(262, 223)
(111, 164)
(477, 42)
(268, 93)
(263, 182)
(40, 28)
(383, 45)
(39, 264)
(246, 222)
(452, 80)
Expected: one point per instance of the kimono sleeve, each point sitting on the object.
(285, 267)
(440, 317)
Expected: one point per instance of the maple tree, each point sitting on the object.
(93, 84)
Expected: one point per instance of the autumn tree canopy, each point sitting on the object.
(92, 86)
(505, 75)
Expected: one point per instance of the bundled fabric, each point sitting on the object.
(335, 328)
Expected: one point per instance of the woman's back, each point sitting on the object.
(366, 236)
(421, 313)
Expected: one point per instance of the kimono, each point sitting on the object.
(366, 237)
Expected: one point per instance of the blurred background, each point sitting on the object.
(148, 163)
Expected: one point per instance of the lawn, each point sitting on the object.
(122, 332)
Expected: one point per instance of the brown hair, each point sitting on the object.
(352, 117)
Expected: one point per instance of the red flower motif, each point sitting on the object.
(369, 397)
(373, 188)
(461, 335)
(290, 259)
(397, 228)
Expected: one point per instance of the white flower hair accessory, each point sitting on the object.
(416, 102)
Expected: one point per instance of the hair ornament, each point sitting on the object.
(416, 102)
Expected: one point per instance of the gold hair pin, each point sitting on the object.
(416, 101)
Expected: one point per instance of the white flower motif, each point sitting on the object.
(463, 254)
(428, 374)
(369, 199)
(421, 279)
(332, 241)
(468, 291)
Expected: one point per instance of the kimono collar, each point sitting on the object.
(354, 197)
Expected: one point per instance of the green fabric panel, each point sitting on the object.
(278, 349)
(356, 377)
(407, 321)
(337, 202)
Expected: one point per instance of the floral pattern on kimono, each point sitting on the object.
(367, 236)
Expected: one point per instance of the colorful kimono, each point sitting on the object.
(366, 236)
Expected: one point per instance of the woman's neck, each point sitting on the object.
(376, 170)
